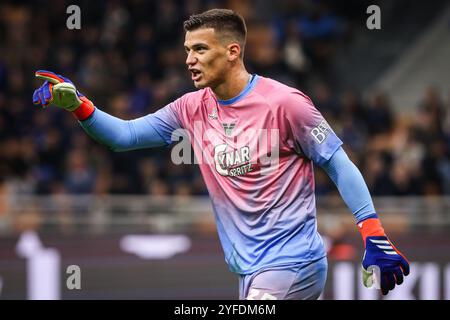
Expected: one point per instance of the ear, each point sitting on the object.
(234, 51)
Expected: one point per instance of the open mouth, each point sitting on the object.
(195, 75)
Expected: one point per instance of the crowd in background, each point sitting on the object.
(128, 58)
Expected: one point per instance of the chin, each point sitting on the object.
(200, 85)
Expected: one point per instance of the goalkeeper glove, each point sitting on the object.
(382, 264)
(61, 92)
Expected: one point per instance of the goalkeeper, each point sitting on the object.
(264, 210)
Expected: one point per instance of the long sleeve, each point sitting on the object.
(152, 130)
(351, 185)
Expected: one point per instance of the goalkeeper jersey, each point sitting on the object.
(256, 154)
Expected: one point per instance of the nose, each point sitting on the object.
(191, 59)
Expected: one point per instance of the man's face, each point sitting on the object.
(207, 57)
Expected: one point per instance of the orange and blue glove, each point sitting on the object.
(383, 265)
(61, 92)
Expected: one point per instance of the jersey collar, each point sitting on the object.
(250, 85)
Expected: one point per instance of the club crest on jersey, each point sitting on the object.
(228, 127)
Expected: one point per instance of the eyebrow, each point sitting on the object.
(197, 46)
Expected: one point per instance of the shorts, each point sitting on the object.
(303, 281)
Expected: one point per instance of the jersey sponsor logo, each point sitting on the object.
(321, 132)
(233, 162)
(251, 150)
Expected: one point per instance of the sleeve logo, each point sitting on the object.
(321, 131)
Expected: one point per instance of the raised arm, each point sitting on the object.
(124, 135)
(153, 130)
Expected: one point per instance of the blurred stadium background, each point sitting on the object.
(141, 227)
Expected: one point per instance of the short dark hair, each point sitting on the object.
(224, 21)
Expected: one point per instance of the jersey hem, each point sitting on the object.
(278, 265)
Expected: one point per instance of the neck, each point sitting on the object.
(234, 83)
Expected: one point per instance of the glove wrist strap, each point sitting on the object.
(85, 109)
(371, 228)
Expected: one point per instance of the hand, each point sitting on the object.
(56, 90)
(383, 265)
(61, 92)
